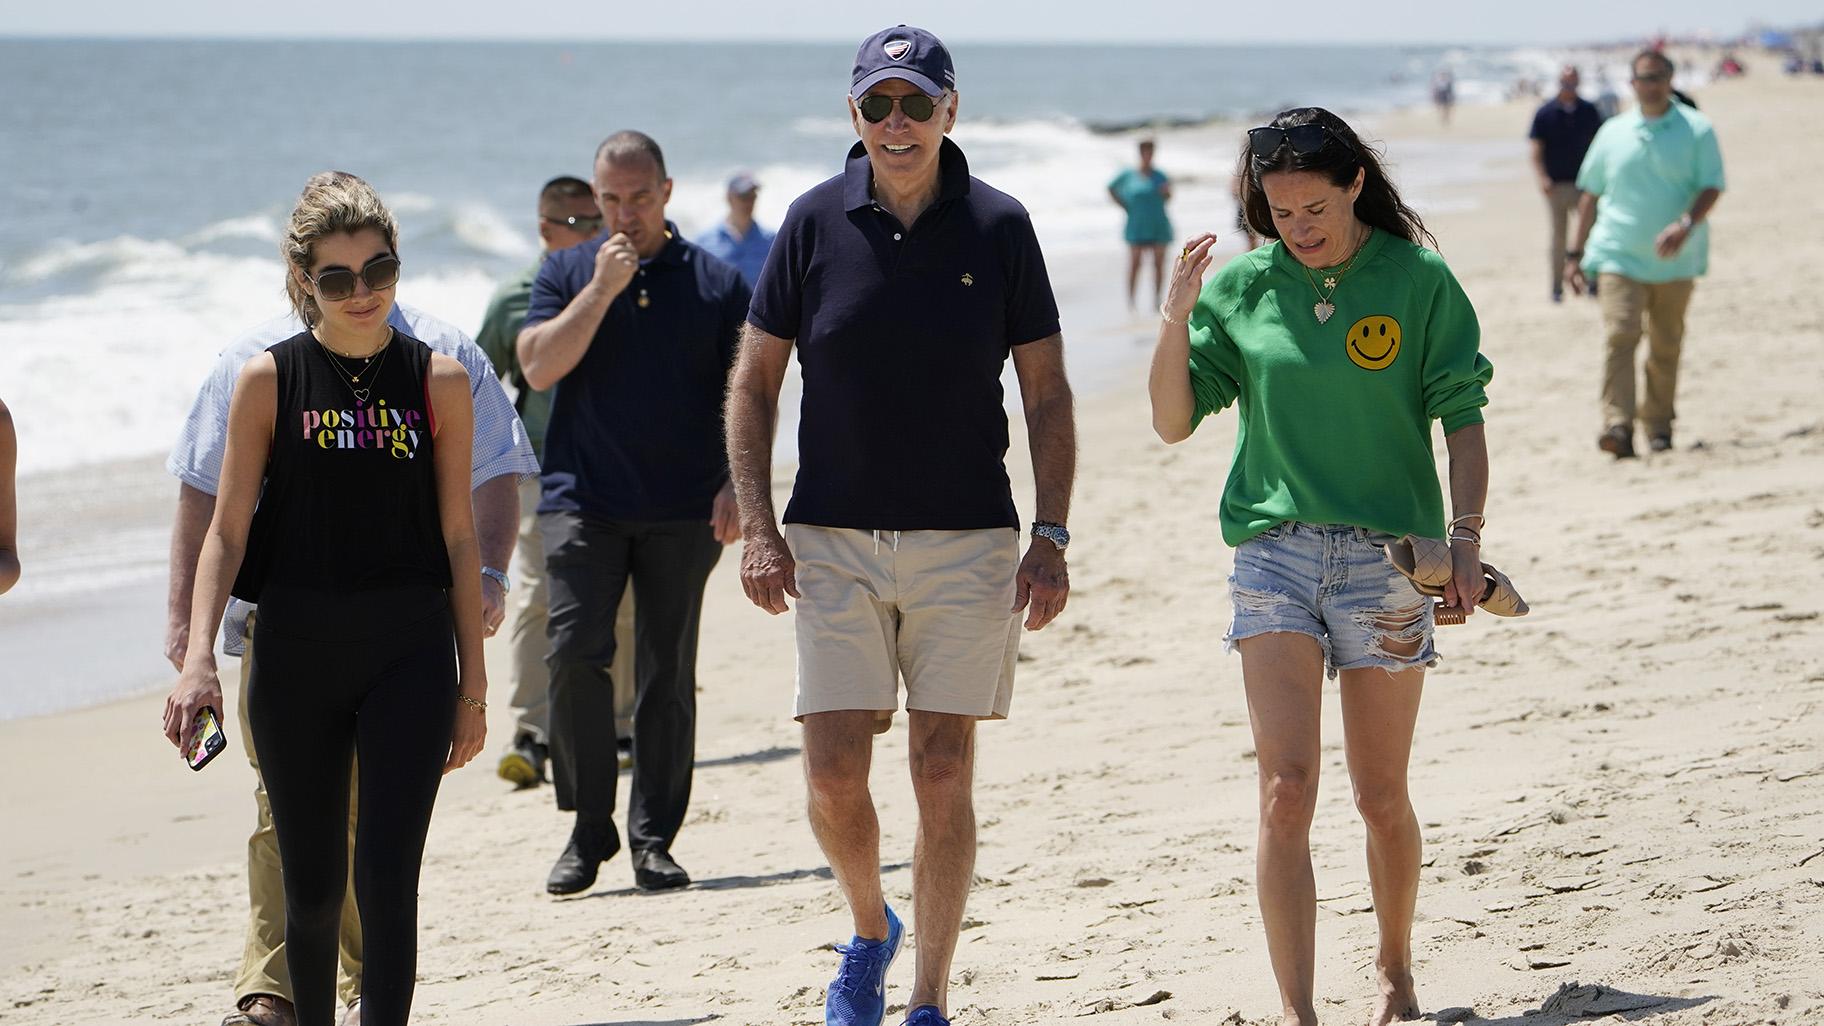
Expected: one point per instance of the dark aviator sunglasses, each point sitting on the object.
(876, 107)
(587, 224)
(338, 283)
(1265, 141)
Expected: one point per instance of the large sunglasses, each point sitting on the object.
(1304, 139)
(876, 107)
(338, 283)
(588, 225)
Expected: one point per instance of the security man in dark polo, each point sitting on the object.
(636, 330)
(905, 285)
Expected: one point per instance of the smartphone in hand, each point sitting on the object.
(207, 739)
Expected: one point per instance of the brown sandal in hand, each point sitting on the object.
(1426, 563)
(262, 1010)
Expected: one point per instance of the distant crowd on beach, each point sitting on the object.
(366, 494)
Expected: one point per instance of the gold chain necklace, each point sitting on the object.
(1324, 308)
(353, 380)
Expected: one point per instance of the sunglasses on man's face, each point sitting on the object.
(587, 224)
(1304, 139)
(876, 107)
(1656, 77)
(338, 283)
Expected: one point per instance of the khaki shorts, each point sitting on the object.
(931, 607)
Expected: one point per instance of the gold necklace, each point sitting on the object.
(1324, 308)
(353, 381)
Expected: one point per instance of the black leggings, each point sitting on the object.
(334, 676)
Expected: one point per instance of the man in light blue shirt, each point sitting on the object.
(1648, 183)
(739, 240)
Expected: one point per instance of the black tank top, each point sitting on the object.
(350, 499)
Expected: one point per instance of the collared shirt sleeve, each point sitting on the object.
(1593, 176)
(500, 329)
(778, 301)
(552, 289)
(196, 459)
(1032, 309)
(500, 444)
(735, 303)
(1454, 374)
(1709, 159)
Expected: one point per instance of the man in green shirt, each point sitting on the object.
(567, 216)
(1648, 183)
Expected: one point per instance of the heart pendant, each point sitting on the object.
(361, 395)
(1323, 311)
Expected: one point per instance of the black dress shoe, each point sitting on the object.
(592, 842)
(655, 870)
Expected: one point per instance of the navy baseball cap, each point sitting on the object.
(903, 52)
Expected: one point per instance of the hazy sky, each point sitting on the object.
(1086, 21)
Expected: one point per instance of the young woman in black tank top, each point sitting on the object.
(353, 442)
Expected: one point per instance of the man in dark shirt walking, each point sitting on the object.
(637, 332)
(1561, 134)
(905, 285)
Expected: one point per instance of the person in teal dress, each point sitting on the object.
(1142, 192)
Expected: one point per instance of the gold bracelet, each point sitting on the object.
(1167, 318)
(473, 703)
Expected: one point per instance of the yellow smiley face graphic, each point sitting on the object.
(1373, 342)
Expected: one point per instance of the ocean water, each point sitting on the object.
(143, 186)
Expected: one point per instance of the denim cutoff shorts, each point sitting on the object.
(1336, 584)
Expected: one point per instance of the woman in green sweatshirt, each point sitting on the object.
(1339, 342)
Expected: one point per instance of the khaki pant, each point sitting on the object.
(263, 966)
(526, 634)
(1625, 303)
(1559, 203)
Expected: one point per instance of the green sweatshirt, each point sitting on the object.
(1336, 417)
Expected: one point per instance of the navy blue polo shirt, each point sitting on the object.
(636, 426)
(902, 334)
(1566, 135)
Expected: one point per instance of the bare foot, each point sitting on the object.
(1397, 1002)
(1290, 1017)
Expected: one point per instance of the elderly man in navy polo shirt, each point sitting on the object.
(637, 332)
(905, 285)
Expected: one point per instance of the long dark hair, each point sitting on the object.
(1342, 154)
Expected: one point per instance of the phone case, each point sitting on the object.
(207, 741)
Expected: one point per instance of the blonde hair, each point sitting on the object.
(332, 201)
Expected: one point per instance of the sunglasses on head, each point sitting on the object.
(338, 283)
(1265, 141)
(588, 224)
(876, 107)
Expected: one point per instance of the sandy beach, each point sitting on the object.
(1619, 791)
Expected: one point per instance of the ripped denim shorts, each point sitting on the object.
(1334, 583)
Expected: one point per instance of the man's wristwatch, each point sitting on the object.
(1053, 533)
(499, 577)
(1573, 254)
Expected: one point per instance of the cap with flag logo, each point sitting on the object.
(903, 52)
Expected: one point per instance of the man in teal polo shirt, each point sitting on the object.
(1648, 183)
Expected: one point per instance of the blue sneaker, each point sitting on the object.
(926, 1015)
(858, 994)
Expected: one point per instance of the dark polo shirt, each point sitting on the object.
(636, 427)
(902, 334)
(1565, 135)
